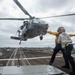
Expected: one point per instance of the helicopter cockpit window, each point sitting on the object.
(38, 21)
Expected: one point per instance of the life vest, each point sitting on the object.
(64, 39)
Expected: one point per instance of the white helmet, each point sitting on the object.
(61, 29)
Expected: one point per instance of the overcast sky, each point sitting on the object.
(37, 8)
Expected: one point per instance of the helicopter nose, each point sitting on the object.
(47, 25)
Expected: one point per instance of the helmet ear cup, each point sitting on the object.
(59, 30)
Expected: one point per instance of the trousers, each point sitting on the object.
(55, 51)
(68, 50)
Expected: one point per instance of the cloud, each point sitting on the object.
(53, 3)
(38, 8)
(46, 5)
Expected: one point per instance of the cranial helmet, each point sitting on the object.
(61, 29)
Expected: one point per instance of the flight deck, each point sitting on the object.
(31, 61)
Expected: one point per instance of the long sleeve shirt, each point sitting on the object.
(57, 35)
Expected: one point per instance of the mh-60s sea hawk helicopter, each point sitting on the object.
(32, 26)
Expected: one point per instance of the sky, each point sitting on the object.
(37, 8)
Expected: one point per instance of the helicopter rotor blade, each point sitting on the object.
(14, 18)
(58, 16)
(22, 8)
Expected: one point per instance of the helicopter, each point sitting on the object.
(32, 26)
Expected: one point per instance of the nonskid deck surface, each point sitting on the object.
(31, 70)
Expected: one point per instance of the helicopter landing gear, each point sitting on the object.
(18, 33)
(41, 37)
(20, 42)
(25, 39)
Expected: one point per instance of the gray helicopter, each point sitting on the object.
(32, 26)
(31, 29)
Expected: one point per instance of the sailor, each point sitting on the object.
(66, 44)
(24, 28)
(24, 23)
(58, 48)
(20, 29)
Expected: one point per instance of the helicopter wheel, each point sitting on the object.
(41, 37)
(25, 39)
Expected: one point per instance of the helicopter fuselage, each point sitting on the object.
(35, 27)
(31, 29)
